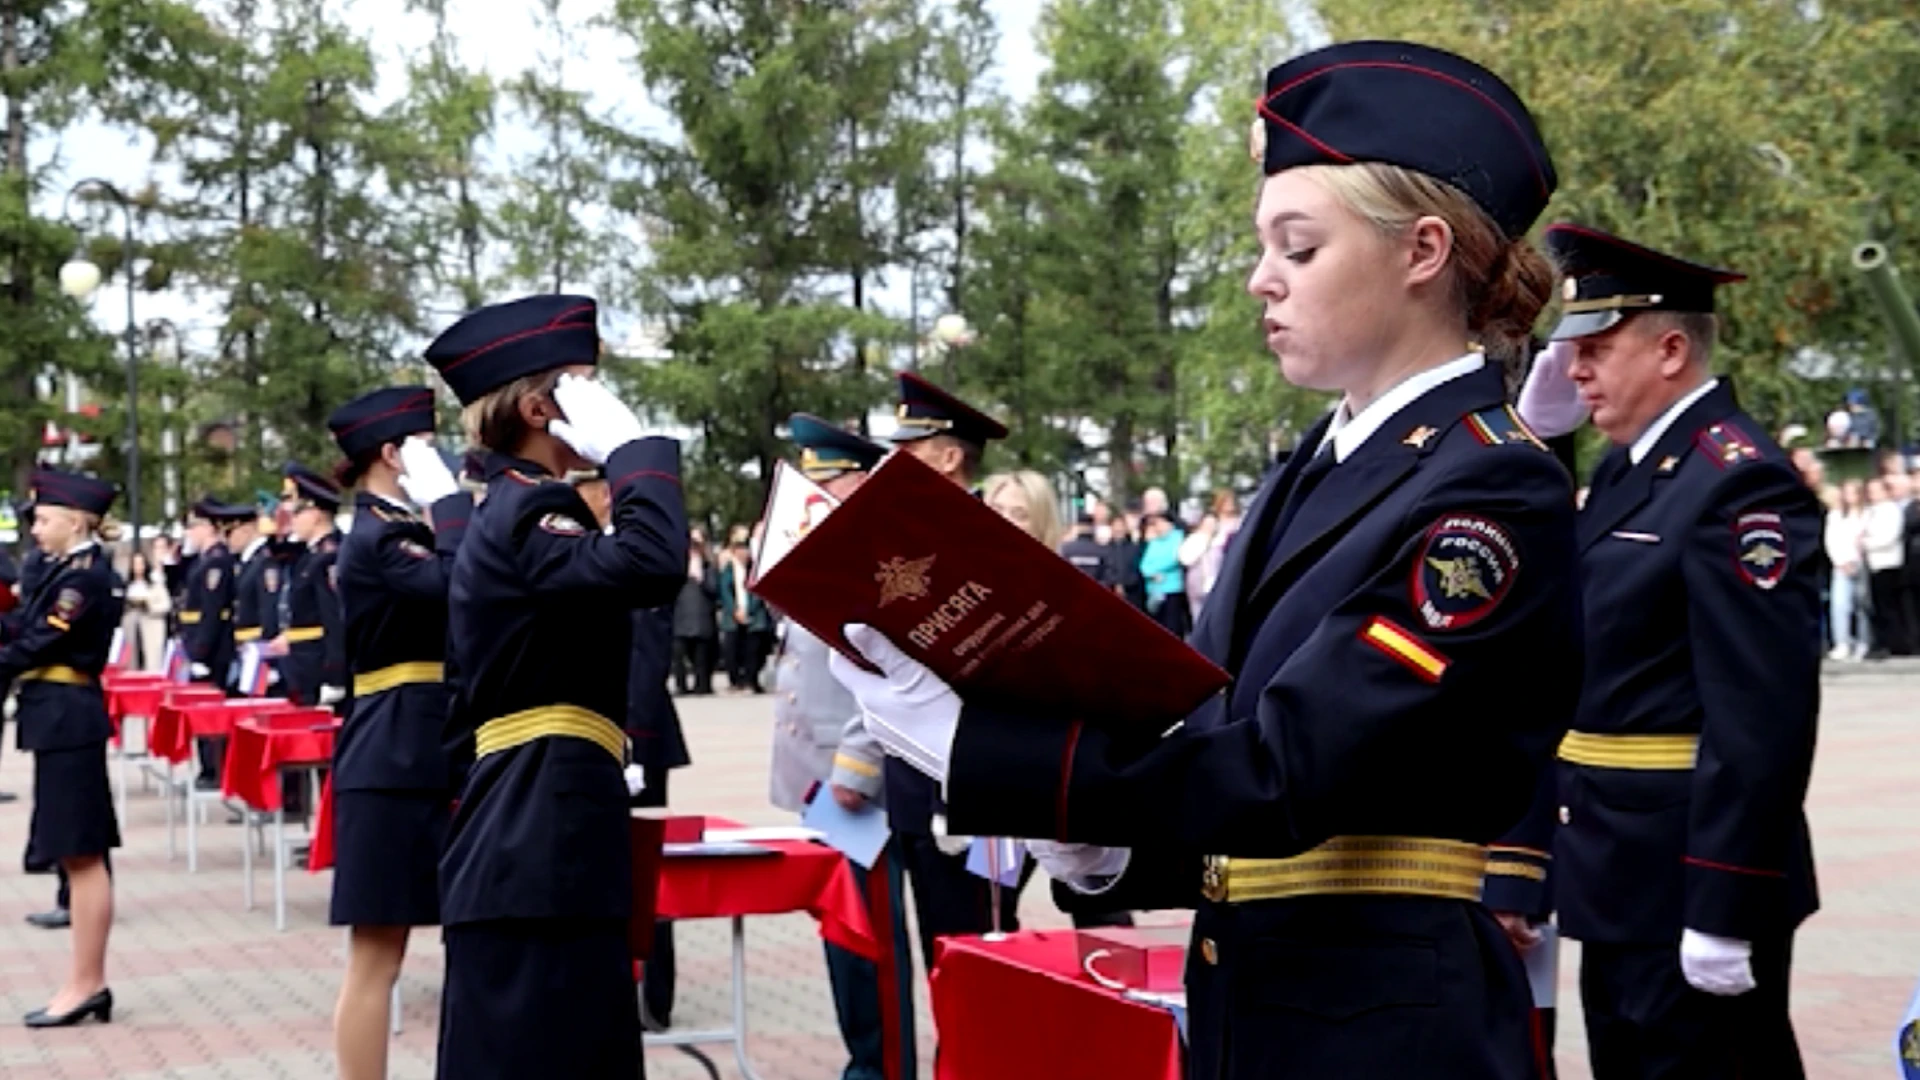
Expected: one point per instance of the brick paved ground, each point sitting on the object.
(206, 990)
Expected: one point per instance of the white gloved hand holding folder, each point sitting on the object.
(911, 711)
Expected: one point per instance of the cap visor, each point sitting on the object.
(1585, 324)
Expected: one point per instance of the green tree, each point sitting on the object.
(1747, 134)
(770, 196)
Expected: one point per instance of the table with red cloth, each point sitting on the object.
(261, 746)
(179, 723)
(1023, 1007)
(132, 693)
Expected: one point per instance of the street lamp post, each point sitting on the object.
(163, 347)
(78, 279)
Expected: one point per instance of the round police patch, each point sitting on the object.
(1760, 548)
(1464, 569)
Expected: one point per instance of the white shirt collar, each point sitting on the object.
(1643, 445)
(80, 547)
(1348, 432)
(253, 545)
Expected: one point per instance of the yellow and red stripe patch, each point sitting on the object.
(1399, 643)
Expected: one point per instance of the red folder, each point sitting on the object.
(997, 614)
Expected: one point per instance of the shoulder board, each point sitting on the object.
(329, 546)
(384, 514)
(1500, 425)
(1725, 444)
(82, 561)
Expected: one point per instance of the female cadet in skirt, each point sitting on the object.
(390, 808)
(54, 653)
(537, 883)
(1399, 617)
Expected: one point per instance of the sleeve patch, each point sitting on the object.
(1465, 567)
(213, 577)
(416, 549)
(1400, 644)
(270, 576)
(1760, 546)
(562, 525)
(68, 603)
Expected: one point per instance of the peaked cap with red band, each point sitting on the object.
(1417, 107)
(372, 420)
(76, 491)
(1608, 279)
(491, 347)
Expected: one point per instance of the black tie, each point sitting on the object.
(1297, 496)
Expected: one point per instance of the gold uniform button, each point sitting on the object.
(1209, 951)
(1566, 815)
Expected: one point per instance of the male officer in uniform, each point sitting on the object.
(206, 618)
(1089, 554)
(314, 664)
(819, 742)
(1682, 859)
(256, 603)
(950, 436)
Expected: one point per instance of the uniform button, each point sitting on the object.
(1209, 951)
(1566, 815)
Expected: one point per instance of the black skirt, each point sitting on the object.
(531, 998)
(386, 857)
(72, 807)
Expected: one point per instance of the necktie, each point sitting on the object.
(1302, 489)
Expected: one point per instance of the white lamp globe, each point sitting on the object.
(79, 277)
(952, 329)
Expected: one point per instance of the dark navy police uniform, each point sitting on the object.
(390, 804)
(1401, 621)
(206, 611)
(256, 601)
(53, 656)
(537, 881)
(311, 616)
(1681, 786)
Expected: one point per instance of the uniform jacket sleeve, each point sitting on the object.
(450, 517)
(42, 635)
(1441, 708)
(643, 559)
(857, 759)
(1519, 875)
(409, 567)
(1756, 650)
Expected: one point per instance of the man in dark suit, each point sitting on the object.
(1681, 857)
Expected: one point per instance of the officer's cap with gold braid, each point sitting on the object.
(75, 491)
(827, 451)
(221, 513)
(1409, 105)
(1608, 279)
(303, 485)
(926, 410)
(372, 420)
(491, 347)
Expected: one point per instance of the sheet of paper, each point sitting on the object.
(709, 848)
(860, 835)
(1012, 855)
(760, 834)
(1543, 966)
(795, 505)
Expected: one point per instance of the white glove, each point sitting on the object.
(909, 710)
(273, 676)
(1716, 965)
(423, 475)
(636, 780)
(597, 423)
(199, 671)
(948, 843)
(1549, 401)
(1087, 869)
(332, 694)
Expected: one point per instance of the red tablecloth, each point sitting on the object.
(1019, 1008)
(258, 748)
(802, 876)
(178, 724)
(132, 694)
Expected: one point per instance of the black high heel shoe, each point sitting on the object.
(100, 1004)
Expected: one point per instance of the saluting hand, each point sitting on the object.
(423, 475)
(1550, 403)
(597, 423)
